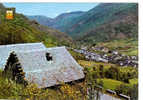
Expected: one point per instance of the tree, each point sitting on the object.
(91, 84)
(101, 71)
(112, 72)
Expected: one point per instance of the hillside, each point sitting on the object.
(21, 30)
(120, 22)
(102, 23)
(43, 20)
(60, 22)
(101, 15)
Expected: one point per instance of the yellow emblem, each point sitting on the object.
(9, 14)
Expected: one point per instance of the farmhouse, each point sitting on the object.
(45, 67)
(6, 49)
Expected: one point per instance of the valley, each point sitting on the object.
(102, 23)
(103, 40)
(117, 74)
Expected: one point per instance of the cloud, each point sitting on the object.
(68, 11)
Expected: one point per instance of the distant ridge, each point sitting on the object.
(102, 23)
(58, 22)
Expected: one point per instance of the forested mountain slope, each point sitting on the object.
(21, 30)
(102, 23)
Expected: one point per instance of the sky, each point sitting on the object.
(49, 9)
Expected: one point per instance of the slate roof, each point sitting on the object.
(62, 68)
(6, 49)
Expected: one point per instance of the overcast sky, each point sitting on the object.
(49, 9)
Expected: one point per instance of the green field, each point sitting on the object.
(124, 46)
(112, 76)
(112, 84)
(91, 64)
(133, 81)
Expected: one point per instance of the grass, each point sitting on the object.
(124, 46)
(133, 81)
(85, 63)
(110, 83)
(76, 55)
(90, 64)
(9, 89)
(126, 69)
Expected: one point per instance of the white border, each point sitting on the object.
(98, 1)
(141, 50)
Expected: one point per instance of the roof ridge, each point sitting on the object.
(34, 50)
(23, 44)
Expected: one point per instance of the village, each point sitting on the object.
(115, 57)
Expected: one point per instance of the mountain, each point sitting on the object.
(43, 20)
(101, 15)
(60, 22)
(104, 22)
(107, 22)
(22, 30)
